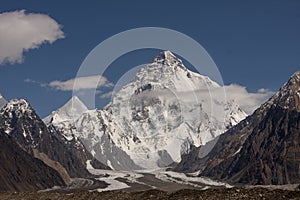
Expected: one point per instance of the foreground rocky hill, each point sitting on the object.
(19, 171)
(210, 194)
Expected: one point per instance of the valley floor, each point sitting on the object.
(157, 184)
(215, 194)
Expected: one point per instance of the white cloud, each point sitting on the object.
(87, 82)
(21, 31)
(248, 101)
(28, 80)
(106, 95)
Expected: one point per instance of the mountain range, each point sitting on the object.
(165, 117)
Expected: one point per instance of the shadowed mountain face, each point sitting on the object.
(262, 149)
(21, 172)
(20, 122)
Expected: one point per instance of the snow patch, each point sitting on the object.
(109, 176)
(237, 151)
(183, 179)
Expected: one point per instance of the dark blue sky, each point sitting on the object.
(255, 43)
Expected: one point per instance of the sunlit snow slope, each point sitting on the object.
(153, 119)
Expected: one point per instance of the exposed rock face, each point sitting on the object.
(21, 172)
(188, 161)
(21, 123)
(262, 149)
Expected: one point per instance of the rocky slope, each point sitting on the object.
(22, 172)
(153, 119)
(262, 149)
(20, 122)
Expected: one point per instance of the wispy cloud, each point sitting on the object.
(106, 95)
(28, 80)
(87, 82)
(248, 101)
(21, 31)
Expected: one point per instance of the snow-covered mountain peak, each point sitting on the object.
(64, 117)
(296, 75)
(19, 106)
(166, 108)
(294, 83)
(168, 59)
(70, 111)
(74, 105)
(155, 118)
(288, 97)
(167, 72)
(15, 103)
(17, 118)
